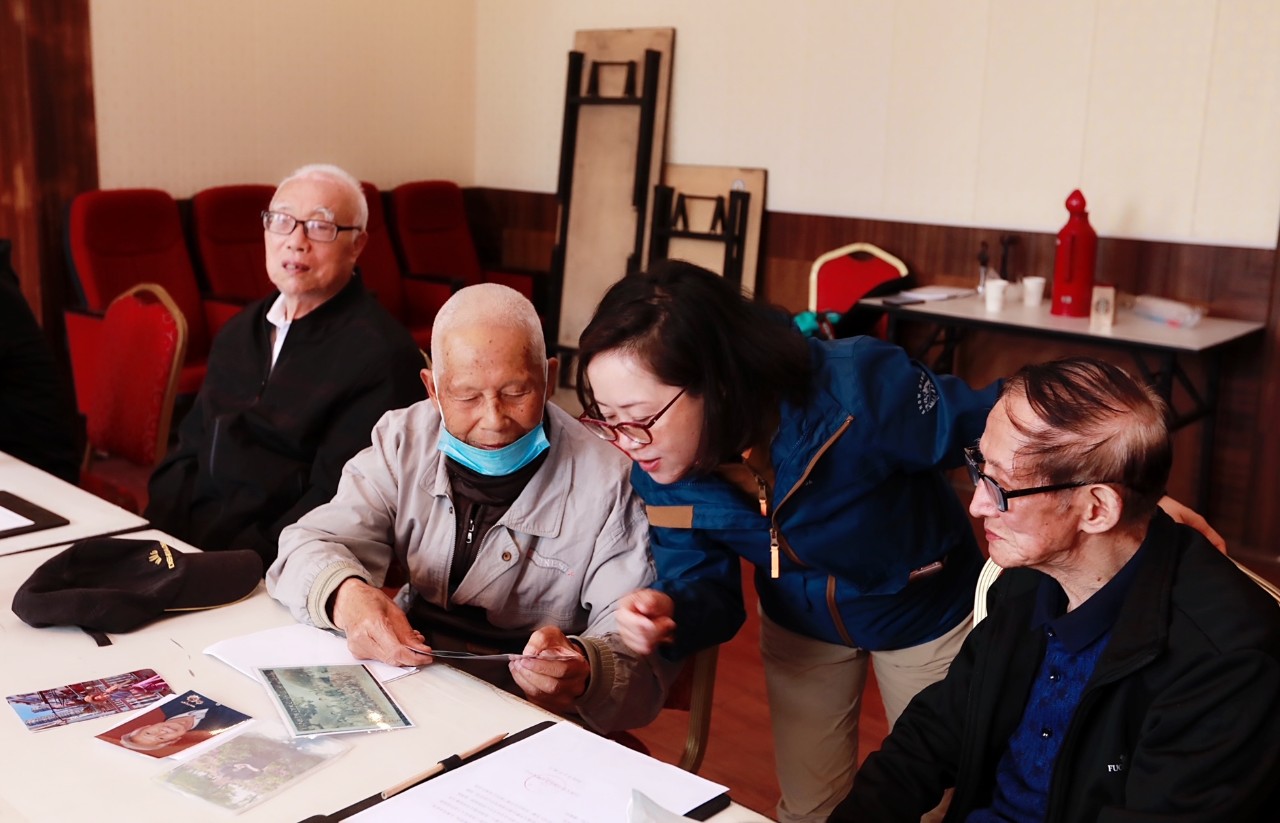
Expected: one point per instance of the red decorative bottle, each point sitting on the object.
(1074, 262)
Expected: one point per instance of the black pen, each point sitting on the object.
(448, 762)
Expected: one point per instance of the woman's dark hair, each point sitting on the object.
(699, 332)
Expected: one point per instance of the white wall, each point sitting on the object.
(983, 112)
(194, 94)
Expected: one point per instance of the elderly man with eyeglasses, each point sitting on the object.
(295, 382)
(1126, 671)
(518, 530)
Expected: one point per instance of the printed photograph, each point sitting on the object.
(59, 706)
(250, 767)
(332, 700)
(175, 726)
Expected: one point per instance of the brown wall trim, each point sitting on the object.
(519, 228)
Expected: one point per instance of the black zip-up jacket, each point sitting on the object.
(263, 446)
(1179, 722)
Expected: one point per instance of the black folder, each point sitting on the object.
(42, 518)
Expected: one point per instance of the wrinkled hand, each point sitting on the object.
(557, 682)
(1187, 517)
(376, 628)
(646, 619)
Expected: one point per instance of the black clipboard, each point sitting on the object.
(713, 806)
(41, 518)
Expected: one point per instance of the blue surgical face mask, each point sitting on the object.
(493, 462)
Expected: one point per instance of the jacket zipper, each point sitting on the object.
(775, 541)
(1090, 697)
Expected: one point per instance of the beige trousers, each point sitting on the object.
(815, 694)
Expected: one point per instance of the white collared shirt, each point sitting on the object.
(275, 316)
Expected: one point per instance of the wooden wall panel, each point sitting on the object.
(1233, 282)
(18, 220)
(49, 152)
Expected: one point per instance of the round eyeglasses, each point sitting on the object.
(322, 231)
(635, 430)
(974, 461)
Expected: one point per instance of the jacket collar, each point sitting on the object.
(1145, 613)
(316, 318)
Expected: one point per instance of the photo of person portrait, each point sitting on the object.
(175, 726)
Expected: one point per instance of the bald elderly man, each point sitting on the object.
(517, 528)
(295, 383)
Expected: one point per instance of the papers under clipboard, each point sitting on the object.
(18, 516)
(555, 768)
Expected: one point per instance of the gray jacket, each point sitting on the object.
(571, 545)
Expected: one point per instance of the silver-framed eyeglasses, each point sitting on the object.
(974, 461)
(635, 430)
(322, 231)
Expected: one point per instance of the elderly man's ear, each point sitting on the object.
(1102, 509)
(425, 374)
(553, 376)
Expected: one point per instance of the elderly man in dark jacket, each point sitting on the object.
(1127, 670)
(296, 381)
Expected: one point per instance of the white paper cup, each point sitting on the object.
(1032, 290)
(994, 294)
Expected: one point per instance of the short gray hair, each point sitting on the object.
(342, 177)
(486, 304)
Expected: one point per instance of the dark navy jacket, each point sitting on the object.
(860, 503)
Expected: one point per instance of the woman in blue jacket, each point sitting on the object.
(821, 463)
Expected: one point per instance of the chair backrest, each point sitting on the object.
(119, 238)
(144, 339)
(378, 264)
(693, 691)
(990, 572)
(429, 218)
(228, 228)
(843, 276)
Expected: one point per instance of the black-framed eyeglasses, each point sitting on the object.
(974, 460)
(322, 231)
(632, 430)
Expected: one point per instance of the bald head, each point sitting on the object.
(489, 369)
(491, 307)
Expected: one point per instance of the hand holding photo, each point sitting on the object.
(175, 726)
(332, 700)
(451, 655)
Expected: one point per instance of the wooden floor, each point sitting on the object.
(740, 752)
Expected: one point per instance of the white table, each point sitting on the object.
(90, 516)
(64, 773)
(1143, 339)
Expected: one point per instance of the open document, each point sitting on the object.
(296, 645)
(563, 774)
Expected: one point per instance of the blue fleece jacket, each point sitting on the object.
(860, 503)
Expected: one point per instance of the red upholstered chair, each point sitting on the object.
(412, 301)
(144, 338)
(117, 239)
(228, 228)
(843, 276)
(429, 219)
